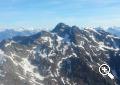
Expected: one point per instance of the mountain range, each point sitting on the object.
(114, 30)
(9, 33)
(63, 56)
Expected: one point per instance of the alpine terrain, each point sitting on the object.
(64, 56)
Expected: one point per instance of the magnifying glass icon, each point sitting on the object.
(104, 69)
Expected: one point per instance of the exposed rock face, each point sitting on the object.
(64, 56)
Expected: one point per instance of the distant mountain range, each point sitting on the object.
(64, 56)
(9, 33)
(114, 31)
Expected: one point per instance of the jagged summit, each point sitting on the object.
(60, 27)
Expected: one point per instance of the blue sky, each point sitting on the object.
(47, 13)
